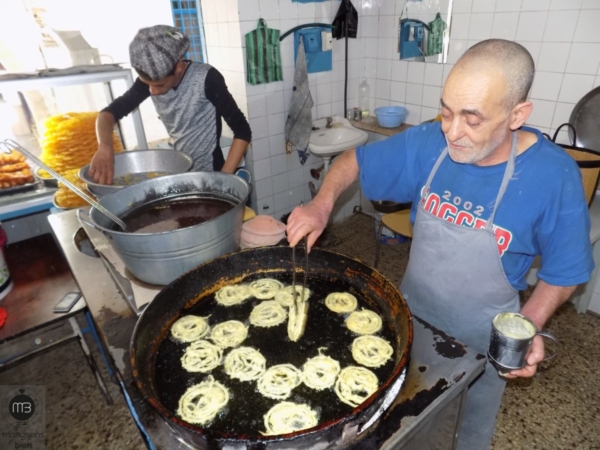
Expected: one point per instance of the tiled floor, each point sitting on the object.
(557, 409)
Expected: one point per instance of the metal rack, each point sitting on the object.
(102, 76)
(16, 205)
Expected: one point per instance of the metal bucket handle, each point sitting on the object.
(549, 336)
(88, 221)
(249, 180)
(246, 172)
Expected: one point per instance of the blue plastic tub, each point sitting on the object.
(391, 116)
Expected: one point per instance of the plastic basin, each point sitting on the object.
(391, 116)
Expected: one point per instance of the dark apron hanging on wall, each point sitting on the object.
(263, 55)
(346, 14)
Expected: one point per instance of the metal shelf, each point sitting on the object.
(103, 76)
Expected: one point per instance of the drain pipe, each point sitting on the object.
(346, 58)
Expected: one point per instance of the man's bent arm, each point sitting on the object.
(544, 301)
(312, 219)
(342, 174)
(105, 125)
(236, 153)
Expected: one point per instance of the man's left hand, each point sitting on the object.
(536, 354)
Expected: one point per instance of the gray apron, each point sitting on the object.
(455, 281)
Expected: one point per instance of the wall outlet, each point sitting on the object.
(327, 40)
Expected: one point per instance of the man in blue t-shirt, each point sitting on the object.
(488, 196)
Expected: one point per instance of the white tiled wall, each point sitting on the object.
(224, 47)
(562, 35)
(415, 85)
(280, 181)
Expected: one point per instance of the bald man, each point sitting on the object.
(488, 195)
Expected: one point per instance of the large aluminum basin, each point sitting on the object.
(159, 258)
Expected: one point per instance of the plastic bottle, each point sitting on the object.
(364, 98)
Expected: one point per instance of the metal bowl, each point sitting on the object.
(130, 163)
(48, 182)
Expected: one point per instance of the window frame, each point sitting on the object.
(180, 13)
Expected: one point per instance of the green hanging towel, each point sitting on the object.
(263, 55)
(435, 39)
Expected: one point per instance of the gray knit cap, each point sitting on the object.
(156, 50)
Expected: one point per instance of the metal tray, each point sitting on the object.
(49, 182)
(21, 187)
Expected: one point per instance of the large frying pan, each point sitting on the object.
(200, 283)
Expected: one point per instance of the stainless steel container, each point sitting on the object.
(511, 339)
(130, 163)
(159, 258)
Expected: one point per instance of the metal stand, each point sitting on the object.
(76, 334)
(378, 244)
(90, 359)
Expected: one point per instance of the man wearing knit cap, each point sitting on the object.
(190, 98)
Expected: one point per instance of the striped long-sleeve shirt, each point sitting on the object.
(192, 113)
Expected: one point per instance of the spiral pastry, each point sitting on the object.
(285, 297)
(245, 364)
(190, 328)
(266, 288)
(279, 381)
(287, 417)
(364, 322)
(320, 372)
(229, 334)
(202, 402)
(233, 294)
(371, 351)
(355, 384)
(268, 314)
(341, 302)
(201, 356)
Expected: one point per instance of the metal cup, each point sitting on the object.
(511, 339)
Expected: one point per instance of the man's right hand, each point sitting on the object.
(103, 165)
(308, 220)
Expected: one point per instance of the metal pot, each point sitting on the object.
(196, 289)
(159, 258)
(130, 163)
(388, 206)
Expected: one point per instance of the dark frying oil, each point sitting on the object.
(246, 408)
(173, 214)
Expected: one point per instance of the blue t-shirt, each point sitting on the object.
(543, 211)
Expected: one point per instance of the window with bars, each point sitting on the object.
(186, 17)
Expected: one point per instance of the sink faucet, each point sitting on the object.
(329, 121)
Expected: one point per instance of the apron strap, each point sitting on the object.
(436, 166)
(508, 173)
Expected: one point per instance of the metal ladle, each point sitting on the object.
(11, 144)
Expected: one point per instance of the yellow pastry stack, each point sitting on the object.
(65, 198)
(70, 141)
